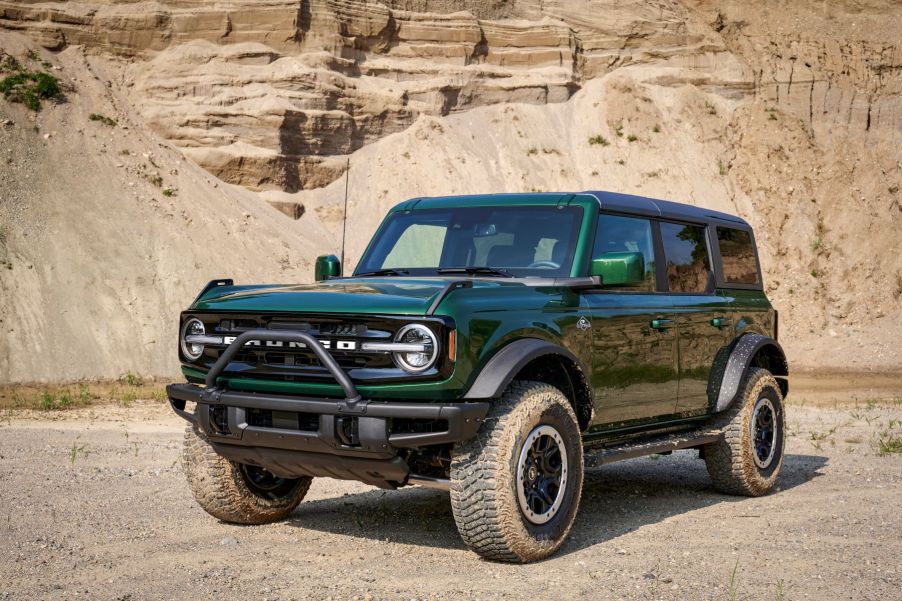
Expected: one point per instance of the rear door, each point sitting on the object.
(634, 358)
(702, 316)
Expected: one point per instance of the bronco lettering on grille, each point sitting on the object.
(341, 345)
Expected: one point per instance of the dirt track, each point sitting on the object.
(94, 506)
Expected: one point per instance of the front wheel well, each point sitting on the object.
(565, 375)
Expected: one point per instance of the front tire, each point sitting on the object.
(747, 459)
(235, 492)
(515, 488)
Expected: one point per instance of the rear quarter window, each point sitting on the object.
(737, 254)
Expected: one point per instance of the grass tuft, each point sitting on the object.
(131, 379)
(598, 140)
(103, 119)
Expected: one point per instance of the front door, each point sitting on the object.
(634, 358)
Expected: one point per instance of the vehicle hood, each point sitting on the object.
(394, 296)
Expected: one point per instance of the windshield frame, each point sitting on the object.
(575, 251)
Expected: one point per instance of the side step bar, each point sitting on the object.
(649, 446)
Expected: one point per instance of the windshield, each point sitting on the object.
(523, 241)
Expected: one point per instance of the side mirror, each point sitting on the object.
(619, 269)
(327, 266)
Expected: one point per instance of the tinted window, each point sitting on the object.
(627, 234)
(525, 240)
(738, 256)
(686, 255)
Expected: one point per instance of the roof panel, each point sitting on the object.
(612, 201)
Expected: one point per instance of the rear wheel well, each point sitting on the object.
(565, 375)
(770, 357)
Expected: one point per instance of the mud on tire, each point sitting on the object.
(227, 490)
(740, 464)
(484, 475)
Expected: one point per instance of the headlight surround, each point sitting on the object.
(192, 327)
(418, 361)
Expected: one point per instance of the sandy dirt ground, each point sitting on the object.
(93, 505)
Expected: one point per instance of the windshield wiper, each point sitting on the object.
(474, 270)
(379, 272)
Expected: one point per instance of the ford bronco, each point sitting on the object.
(495, 347)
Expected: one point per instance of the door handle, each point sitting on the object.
(720, 322)
(661, 324)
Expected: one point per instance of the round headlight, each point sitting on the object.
(419, 360)
(192, 327)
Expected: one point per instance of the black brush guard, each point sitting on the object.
(352, 441)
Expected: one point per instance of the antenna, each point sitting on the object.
(344, 216)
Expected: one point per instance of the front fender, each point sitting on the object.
(503, 367)
(732, 362)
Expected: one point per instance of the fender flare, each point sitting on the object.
(729, 369)
(501, 369)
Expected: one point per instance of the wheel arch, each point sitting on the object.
(733, 361)
(541, 361)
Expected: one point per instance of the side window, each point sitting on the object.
(738, 256)
(617, 235)
(686, 257)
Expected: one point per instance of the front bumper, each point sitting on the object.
(344, 440)
(351, 438)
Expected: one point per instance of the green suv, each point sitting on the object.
(493, 346)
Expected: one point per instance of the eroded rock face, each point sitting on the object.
(271, 95)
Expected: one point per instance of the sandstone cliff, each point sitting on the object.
(790, 116)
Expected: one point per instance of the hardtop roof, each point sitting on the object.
(629, 203)
(611, 201)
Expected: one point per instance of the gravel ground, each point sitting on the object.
(94, 505)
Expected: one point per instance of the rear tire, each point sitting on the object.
(234, 492)
(515, 488)
(747, 460)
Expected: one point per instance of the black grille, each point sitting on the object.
(292, 363)
(269, 362)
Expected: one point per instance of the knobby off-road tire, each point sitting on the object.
(731, 461)
(484, 479)
(226, 490)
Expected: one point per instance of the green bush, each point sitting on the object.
(29, 87)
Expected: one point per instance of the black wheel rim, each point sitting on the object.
(264, 483)
(764, 430)
(542, 474)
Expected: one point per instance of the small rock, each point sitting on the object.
(621, 551)
(46, 136)
(228, 541)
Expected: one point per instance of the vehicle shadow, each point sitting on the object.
(617, 499)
